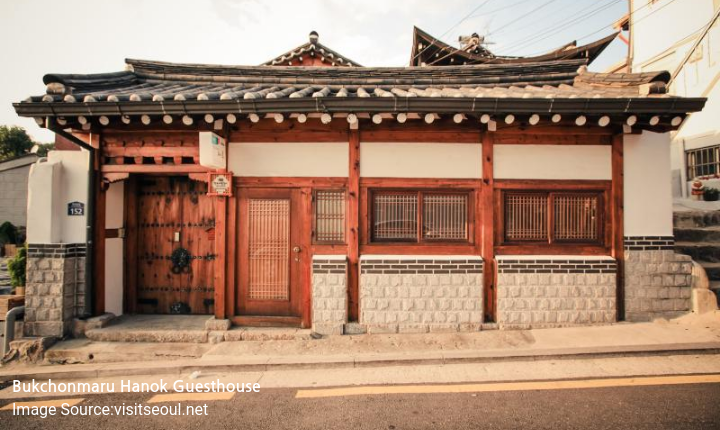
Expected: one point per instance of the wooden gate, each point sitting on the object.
(175, 228)
(271, 255)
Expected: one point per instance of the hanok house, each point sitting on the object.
(313, 192)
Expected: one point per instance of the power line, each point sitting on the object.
(449, 30)
(551, 31)
(506, 25)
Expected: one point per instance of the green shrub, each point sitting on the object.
(8, 233)
(17, 266)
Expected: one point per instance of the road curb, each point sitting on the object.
(81, 371)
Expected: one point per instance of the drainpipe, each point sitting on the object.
(89, 217)
(9, 331)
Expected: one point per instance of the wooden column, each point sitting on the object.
(618, 240)
(99, 243)
(487, 204)
(354, 226)
(221, 204)
(130, 245)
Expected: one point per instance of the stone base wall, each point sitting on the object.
(329, 294)
(658, 282)
(55, 290)
(555, 291)
(418, 294)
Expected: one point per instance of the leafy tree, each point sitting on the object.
(14, 142)
(43, 149)
(17, 267)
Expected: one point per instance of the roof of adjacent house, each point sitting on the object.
(312, 49)
(428, 50)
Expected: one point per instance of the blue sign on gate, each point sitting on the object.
(76, 209)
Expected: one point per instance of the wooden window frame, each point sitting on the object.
(551, 246)
(313, 232)
(420, 240)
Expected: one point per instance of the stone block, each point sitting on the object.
(213, 324)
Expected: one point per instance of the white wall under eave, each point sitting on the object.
(114, 218)
(420, 160)
(61, 179)
(289, 159)
(647, 176)
(43, 210)
(563, 162)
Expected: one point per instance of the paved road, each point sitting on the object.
(677, 407)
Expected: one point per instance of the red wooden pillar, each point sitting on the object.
(220, 255)
(618, 222)
(487, 204)
(353, 226)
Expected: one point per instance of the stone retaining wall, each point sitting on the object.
(329, 294)
(418, 294)
(55, 290)
(658, 282)
(555, 291)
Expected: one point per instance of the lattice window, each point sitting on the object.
(526, 217)
(330, 216)
(395, 216)
(269, 243)
(445, 216)
(576, 217)
(552, 217)
(420, 216)
(703, 162)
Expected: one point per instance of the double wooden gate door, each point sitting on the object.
(272, 251)
(175, 246)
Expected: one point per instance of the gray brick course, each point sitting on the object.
(560, 296)
(420, 294)
(329, 295)
(658, 284)
(55, 291)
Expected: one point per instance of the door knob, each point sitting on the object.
(296, 249)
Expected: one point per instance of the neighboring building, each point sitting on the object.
(690, 49)
(14, 188)
(403, 199)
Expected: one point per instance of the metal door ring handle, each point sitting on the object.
(296, 249)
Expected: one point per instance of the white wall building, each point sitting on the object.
(683, 37)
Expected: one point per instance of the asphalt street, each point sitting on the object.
(686, 406)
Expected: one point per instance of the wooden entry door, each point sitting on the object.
(272, 253)
(174, 230)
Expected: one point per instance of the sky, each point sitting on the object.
(93, 36)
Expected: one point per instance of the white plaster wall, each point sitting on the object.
(648, 194)
(553, 162)
(72, 187)
(420, 160)
(43, 210)
(114, 249)
(283, 159)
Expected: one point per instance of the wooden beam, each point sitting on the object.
(618, 222)
(529, 138)
(231, 260)
(487, 198)
(175, 169)
(353, 234)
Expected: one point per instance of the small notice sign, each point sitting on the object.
(213, 150)
(219, 184)
(76, 209)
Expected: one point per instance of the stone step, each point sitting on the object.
(696, 219)
(700, 251)
(267, 333)
(80, 351)
(697, 234)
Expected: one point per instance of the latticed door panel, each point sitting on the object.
(174, 218)
(273, 240)
(269, 249)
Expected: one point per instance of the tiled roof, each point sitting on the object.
(312, 49)
(150, 87)
(430, 51)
